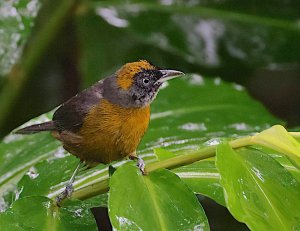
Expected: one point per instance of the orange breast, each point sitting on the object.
(110, 132)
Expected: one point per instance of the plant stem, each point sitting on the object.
(99, 183)
(192, 157)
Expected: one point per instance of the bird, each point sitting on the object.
(107, 121)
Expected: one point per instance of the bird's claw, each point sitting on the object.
(67, 193)
(141, 165)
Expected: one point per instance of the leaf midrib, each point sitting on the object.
(156, 211)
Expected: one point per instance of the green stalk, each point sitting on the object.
(192, 157)
(30, 60)
(89, 186)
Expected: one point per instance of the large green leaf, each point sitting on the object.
(258, 191)
(18, 153)
(158, 201)
(203, 178)
(187, 113)
(46, 173)
(279, 139)
(211, 34)
(38, 213)
(193, 110)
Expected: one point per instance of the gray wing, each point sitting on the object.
(70, 115)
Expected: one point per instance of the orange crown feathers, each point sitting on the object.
(125, 73)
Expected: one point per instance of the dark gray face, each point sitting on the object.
(145, 87)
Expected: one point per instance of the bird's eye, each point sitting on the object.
(146, 81)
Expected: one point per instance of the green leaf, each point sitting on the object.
(203, 178)
(204, 110)
(46, 174)
(163, 154)
(282, 159)
(193, 110)
(19, 153)
(208, 33)
(287, 164)
(258, 191)
(280, 140)
(96, 201)
(158, 201)
(38, 213)
(16, 23)
(36, 49)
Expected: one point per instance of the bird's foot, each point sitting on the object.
(140, 164)
(67, 193)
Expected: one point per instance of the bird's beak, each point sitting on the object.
(167, 75)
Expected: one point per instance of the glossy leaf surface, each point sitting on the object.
(38, 213)
(203, 178)
(46, 173)
(16, 22)
(279, 139)
(204, 110)
(256, 186)
(193, 110)
(19, 153)
(209, 33)
(158, 201)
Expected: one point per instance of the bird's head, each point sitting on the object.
(136, 84)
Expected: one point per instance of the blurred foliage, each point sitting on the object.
(16, 22)
(87, 40)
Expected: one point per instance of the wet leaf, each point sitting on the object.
(19, 153)
(194, 110)
(258, 191)
(287, 164)
(16, 23)
(38, 213)
(280, 140)
(208, 33)
(282, 159)
(203, 178)
(97, 201)
(39, 179)
(158, 201)
(203, 111)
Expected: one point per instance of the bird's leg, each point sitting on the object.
(69, 186)
(140, 162)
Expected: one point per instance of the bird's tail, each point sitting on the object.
(47, 126)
